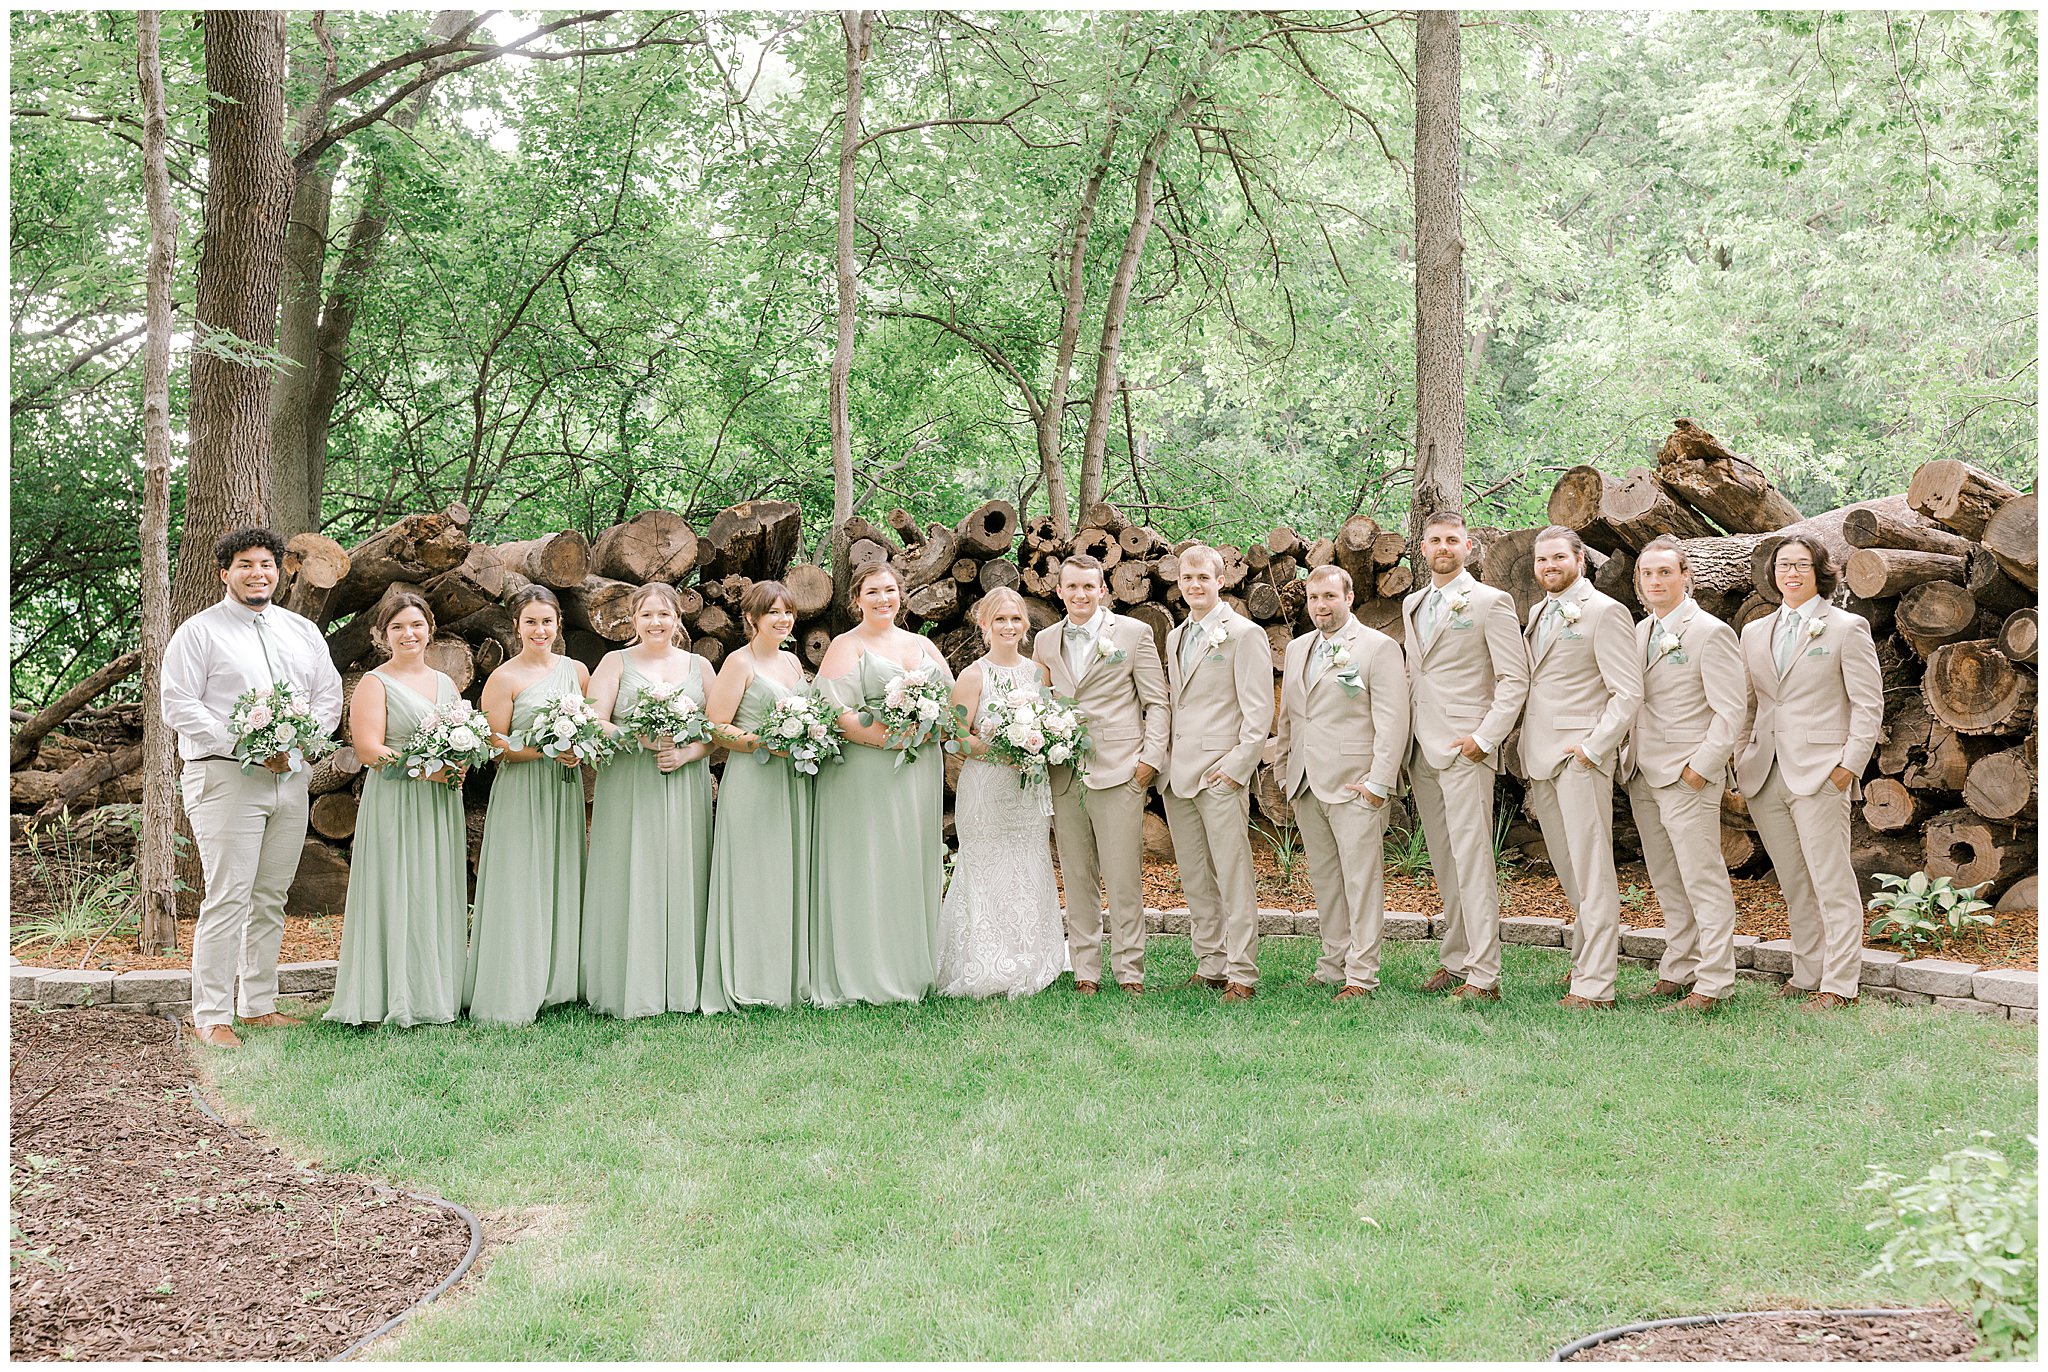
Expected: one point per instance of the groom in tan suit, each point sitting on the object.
(1585, 686)
(1467, 678)
(1109, 663)
(1816, 704)
(1343, 730)
(1675, 765)
(1219, 676)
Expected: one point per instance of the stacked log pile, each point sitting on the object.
(1945, 574)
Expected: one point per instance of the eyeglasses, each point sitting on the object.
(1795, 566)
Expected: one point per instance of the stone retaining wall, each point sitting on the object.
(2001, 992)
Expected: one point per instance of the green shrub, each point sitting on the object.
(1968, 1228)
(1917, 913)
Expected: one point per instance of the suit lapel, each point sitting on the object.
(1058, 665)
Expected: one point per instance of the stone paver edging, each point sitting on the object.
(1999, 992)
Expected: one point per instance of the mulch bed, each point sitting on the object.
(1935, 1336)
(168, 1236)
(307, 938)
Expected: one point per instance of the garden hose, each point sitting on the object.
(476, 1231)
(1609, 1335)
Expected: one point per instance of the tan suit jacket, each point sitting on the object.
(1328, 736)
(1471, 677)
(1694, 701)
(1123, 697)
(1585, 683)
(1223, 709)
(1824, 712)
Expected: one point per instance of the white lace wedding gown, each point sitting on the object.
(999, 929)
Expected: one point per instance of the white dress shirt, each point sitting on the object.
(1078, 649)
(216, 656)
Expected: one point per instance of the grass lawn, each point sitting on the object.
(1173, 1178)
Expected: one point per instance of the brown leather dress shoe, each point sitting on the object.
(1788, 991)
(1213, 983)
(1084, 988)
(1583, 1003)
(1470, 992)
(1693, 1002)
(1131, 988)
(216, 1036)
(1353, 993)
(1663, 990)
(1444, 980)
(1239, 991)
(273, 1020)
(1828, 1000)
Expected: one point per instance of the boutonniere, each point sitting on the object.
(1457, 602)
(1569, 612)
(1816, 627)
(1105, 651)
(1343, 670)
(1217, 639)
(1668, 645)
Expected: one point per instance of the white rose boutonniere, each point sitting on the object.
(1570, 611)
(1816, 627)
(1106, 651)
(1457, 602)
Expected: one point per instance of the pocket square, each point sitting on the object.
(1821, 651)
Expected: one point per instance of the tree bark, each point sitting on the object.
(241, 248)
(1957, 496)
(857, 26)
(156, 843)
(1073, 296)
(1728, 489)
(1575, 503)
(121, 668)
(1878, 573)
(1439, 276)
(2013, 534)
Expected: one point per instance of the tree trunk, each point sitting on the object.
(1879, 573)
(1974, 690)
(2004, 786)
(1957, 496)
(2019, 637)
(1970, 851)
(654, 545)
(857, 26)
(1108, 351)
(1439, 276)
(2013, 535)
(156, 844)
(1575, 503)
(241, 248)
(1881, 528)
(295, 507)
(1073, 295)
(1640, 507)
(33, 729)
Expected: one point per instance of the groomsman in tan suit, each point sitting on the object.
(1109, 663)
(1675, 765)
(1585, 685)
(1467, 678)
(1219, 675)
(1816, 704)
(1343, 730)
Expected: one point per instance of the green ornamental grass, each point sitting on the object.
(1169, 1178)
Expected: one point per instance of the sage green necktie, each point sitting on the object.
(269, 651)
(1788, 633)
(1190, 647)
(1650, 648)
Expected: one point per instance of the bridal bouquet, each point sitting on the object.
(1035, 733)
(278, 719)
(450, 739)
(804, 728)
(917, 708)
(664, 711)
(562, 726)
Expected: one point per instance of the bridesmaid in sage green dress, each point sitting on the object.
(650, 832)
(757, 944)
(877, 839)
(407, 911)
(529, 876)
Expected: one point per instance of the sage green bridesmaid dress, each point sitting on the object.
(529, 879)
(876, 863)
(758, 937)
(650, 864)
(408, 884)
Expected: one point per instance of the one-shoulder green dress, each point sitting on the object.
(650, 862)
(403, 929)
(758, 940)
(529, 879)
(876, 864)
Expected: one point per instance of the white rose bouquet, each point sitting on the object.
(562, 726)
(449, 740)
(1036, 732)
(917, 708)
(805, 729)
(665, 711)
(278, 719)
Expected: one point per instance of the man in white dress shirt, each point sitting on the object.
(250, 825)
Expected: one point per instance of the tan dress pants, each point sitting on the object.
(1456, 805)
(250, 828)
(1681, 833)
(1102, 837)
(1213, 849)
(1576, 811)
(1347, 866)
(1808, 840)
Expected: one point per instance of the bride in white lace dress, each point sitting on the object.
(999, 930)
